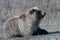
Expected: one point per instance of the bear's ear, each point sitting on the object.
(44, 15)
(22, 16)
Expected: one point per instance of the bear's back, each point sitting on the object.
(11, 26)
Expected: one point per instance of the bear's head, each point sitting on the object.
(34, 14)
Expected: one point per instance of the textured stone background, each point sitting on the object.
(51, 22)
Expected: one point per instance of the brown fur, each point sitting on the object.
(29, 22)
(11, 27)
(24, 25)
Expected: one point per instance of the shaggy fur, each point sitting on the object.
(24, 25)
(28, 23)
(10, 27)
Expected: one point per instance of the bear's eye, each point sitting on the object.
(32, 11)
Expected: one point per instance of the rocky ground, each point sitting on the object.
(55, 36)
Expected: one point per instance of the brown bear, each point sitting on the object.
(25, 24)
